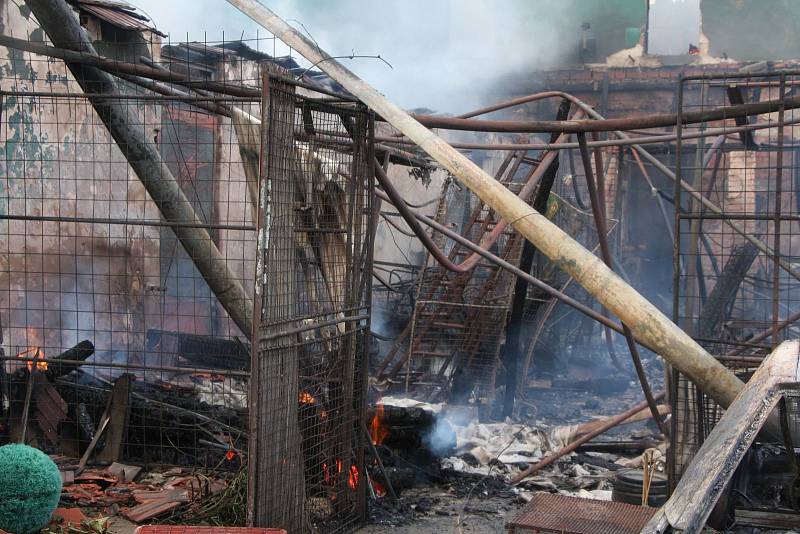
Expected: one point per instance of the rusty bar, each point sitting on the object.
(611, 423)
(600, 223)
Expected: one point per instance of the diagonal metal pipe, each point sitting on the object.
(638, 313)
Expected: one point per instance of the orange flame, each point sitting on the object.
(377, 428)
(306, 398)
(329, 479)
(35, 352)
(380, 491)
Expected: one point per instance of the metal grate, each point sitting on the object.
(459, 319)
(314, 266)
(572, 515)
(737, 298)
(95, 264)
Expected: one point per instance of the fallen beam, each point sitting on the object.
(608, 424)
(61, 25)
(707, 476)
(643, 318)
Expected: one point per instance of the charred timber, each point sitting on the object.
(81, 351)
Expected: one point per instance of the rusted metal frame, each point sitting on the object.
(476, 315)
(438, 277)
(456, 288)
(777, 222)
(715, 462)
(513, 345)
(600, 223)
(552, 457)
(59, 22)
(555, 293)
(407, 331)
(460, 280)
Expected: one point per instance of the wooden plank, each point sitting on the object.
(154, 508)
(118, 424)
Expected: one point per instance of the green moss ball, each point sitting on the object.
(30, 486)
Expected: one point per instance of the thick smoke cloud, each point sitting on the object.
(444, 53)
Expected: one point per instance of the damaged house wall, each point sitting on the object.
(146, 278)
(53, 269)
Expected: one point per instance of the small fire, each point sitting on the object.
(380, 491)
(306, 398)
(38, 354)
(330, 479)
(377, 428)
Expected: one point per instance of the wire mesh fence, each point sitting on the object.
(736, 285)
(125, 217)
(314, 279)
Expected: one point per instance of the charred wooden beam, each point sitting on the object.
(79, 352)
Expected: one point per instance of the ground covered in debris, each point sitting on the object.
(470, 492)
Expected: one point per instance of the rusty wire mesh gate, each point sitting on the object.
(95, 275)
(735, 299)
(314, 278)
(459, 319)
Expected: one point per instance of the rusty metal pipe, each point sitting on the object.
(614, 421)
(598, 210)
(647, 321)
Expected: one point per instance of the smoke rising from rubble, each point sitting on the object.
(444, 54)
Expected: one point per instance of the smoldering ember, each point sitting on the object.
(410, 267)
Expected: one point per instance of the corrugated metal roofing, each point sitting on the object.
(119, 14)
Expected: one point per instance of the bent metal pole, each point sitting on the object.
(646, 321)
